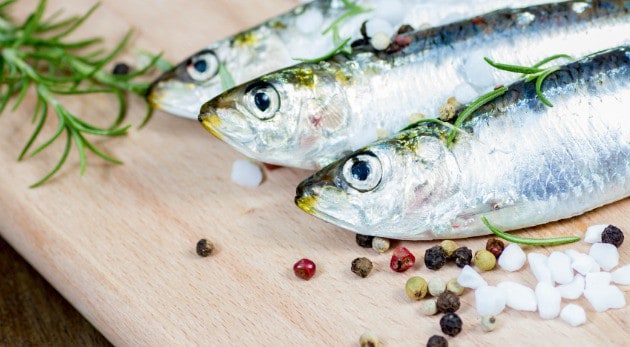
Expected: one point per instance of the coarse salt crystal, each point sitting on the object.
(512, 258)
(594, 233)
(621, 275)
(378, 25)
(574, 289)
(560, 267)
(584, 263)
(469, 278)
(538, 265)
(518, 296)
(489, 300)
(573, 314)
(603, 298)
(380, 41)
(309, 22)
(548, 299)
(597, 279)
(246, 173)
(390, 10)
(605, 254)
(478, 72)
(464, 93)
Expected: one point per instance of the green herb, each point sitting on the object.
(37, 54)
(227, 81)
(528, 241)
(352, 10)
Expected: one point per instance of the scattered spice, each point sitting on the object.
(416, 288)
(380, 41)
(462, 256)
(451, 324)
(120, 69)
(448, 302)
(304, 269)
(429, 307)
(398, 43)
(449, 247)
(405, 28)
(437, 341)
(436, 286)
(485, 260)
(448, 111)
(402, 259)
(368, 339)
(495, 246)
(362, 266)
(488, 323)
(435, 257)
(454, 287)
(204, 247)
(364, 241)
(380, 244)
(612, 235)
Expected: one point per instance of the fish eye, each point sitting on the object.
(363, 171)
(262, 100)
(203, 66)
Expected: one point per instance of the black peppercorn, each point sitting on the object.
(120, 69)
(448, 302)
(495, 246)
(437, 341)
(462, 256)
(405, 28)
(204, 247)
(435, 257)
(612, 235)
(451, 324)
(361, 267)
(364, 241)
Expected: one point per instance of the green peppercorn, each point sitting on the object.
(368, 339)
(462, 256)
(361, 266)
(436, 286)
(448, 302)
(437, 341)
(449, 247)
(429, 307)
(380, 244)
(435, 258)
(451, 324)
(612, 235)
(484, 260)
(488, 323)
(364, 241)
(454, 287)
(416, 288)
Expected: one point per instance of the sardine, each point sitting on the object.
(522, 163)
(276, 43)
(313, 113)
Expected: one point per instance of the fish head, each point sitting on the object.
(289, 117)
(179, 90)
(390, 188)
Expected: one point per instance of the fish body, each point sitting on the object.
(521, 164)
(313, 113)
(276, 44)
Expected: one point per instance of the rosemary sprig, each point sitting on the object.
(529, 241)
(37, 55)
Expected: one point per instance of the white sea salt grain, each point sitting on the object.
(518, 296)
(478, 72)
(548, 299)
(246, 173)
(464, 93)
(380, 41)
(603, 298)
(489, 300)
(584, 263)
(594, 233)
(605, 254)
(390, 10)
(597, 279)
(309, 22)
(574, 289)
(560, 267)
(621, 275)
(538, 265)
(512, 258)
(469, 278)
(573, 314)
(378, 25)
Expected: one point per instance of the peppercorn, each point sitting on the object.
(488, 323)
(405, 28)
(364, 241)
(462, 256)
(451, 324)
(436, 286)
(429, 307)
(380, 244)
(368, 339)
(361, 267)
(120, 69)
(435, 257)
(416, 287)
(304, 269)
(437, 341)
(449, 247)
(484, 260)
(495, 246)
(204, 247)
(448, 302)
(612, 235)
(454, 287)
(402, 259)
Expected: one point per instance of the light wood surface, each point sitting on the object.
(119, 242)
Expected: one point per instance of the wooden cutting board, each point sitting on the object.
(119, 242)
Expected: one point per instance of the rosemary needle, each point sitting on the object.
(530, 241)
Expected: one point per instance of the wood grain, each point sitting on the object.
(119, 242)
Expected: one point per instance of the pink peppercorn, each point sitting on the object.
(304, 269)
(402, 259)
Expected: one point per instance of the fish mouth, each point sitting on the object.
(229, 126)
(210, 121)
